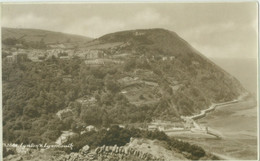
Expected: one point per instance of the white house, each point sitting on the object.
(90, 128)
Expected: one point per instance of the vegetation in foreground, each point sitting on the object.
(121, 136)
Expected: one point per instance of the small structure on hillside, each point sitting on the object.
(19, 57)
(152, 127)
(94, 54)
(139, 33)
(121, 126)
(91, 128)
(8, 59)
(67, 78)
(87, 100)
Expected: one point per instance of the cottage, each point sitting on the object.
(94, 54)
(161, 128)
(152, 127)
(164, 58)
(64, 57)
(8, 59)
(57, 46)
(95, 62)
(42, 57)
(90, 128)
(123, 92)
(67, 78)
(139, 33)
(172, 57)
(19, 57)
(195, 63)
(121, 126)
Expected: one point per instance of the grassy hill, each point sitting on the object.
(34, 35)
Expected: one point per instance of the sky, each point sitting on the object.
(219, 30)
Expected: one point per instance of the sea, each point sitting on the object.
(244, 69)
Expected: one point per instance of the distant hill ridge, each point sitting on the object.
(48, 37)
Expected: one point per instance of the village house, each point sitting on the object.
(161, 128)
(19, 57)
(42, 56)
(95, 62)
(67, 78)
(94, 54)
(87, 100)
(195, 63)
(91, 128)
(164, 58)
(9, 59)
(64, 57)
(168, 58)
(139, 33)
(123, 92)
(152, 127)
(172, 57)
(57, 46)
(54, 52)
(121, 126)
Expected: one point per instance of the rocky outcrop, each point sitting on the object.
(123, 152)
(85, 150)
(107, 153)
(77, 157)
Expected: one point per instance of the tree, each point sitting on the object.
(31, 111)
(112, 86)
(75, 128)
(10, 41)
(141, 97)
(129, 65)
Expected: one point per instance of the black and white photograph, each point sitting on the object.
(129, 81)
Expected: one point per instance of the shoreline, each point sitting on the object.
(213, 107)
(195, 128)
(230, 142)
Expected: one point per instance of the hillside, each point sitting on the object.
(165, 59)
(35, 35)
(128, 78)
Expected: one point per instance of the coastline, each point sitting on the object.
(213, 107)
(236, 123)
(194, 129)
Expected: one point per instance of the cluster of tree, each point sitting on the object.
(34, 92)
(121, 136)
(25, 44)
(10, 41)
